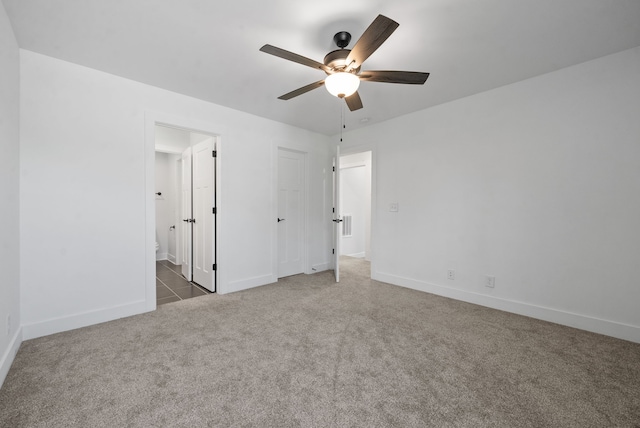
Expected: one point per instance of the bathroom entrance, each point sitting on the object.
(185, 205)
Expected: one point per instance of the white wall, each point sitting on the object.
(80, 219)
(536, 183)
(352, 183)
(10, 336)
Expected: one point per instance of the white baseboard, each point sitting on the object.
(161, 256)
(583, 322)
(71, 322)
(356, 255)
(319, 268)
(245, 284)
(9, 355)
(172, 258)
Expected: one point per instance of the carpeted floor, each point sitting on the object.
(308, 352)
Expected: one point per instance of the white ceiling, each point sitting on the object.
(208, 49)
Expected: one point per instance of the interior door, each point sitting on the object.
(185, 213)
(291, 182)
(337, 219)
(203, 213)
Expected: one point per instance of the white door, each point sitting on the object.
(203, 215)
(186, 211)
(337, 219)
(291, 182)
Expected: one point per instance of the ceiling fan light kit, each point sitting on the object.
(342, 84)
(342, 66)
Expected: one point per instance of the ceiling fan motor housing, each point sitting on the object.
(337, 60)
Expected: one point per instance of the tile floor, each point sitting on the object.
(171, 286)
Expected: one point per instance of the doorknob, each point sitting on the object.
(280, 219)
(186, 220)
(337, 220)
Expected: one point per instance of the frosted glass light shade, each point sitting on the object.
(342, 84)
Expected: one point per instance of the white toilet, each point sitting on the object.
(157, 246)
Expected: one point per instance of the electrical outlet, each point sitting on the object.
(393, 207)
(489, 281)
(451, 274)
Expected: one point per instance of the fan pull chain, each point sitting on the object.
(342, 125)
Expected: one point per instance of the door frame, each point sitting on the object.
(276, 146)
(361, 148)
(151, 119)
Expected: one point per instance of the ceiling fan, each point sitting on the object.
(343, 66)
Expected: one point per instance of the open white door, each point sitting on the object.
(203, 213)
(186, 212)
(337, 219)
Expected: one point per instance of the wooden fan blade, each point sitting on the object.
(294, 57)
(406, 77)
(353, 101)
(302, 90)
(374, 36)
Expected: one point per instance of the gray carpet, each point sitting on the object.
(308, 352)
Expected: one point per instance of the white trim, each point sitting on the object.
(583, 322)
(161, 256)
(167, 149)
(320, 267)
(83, 319)
(10, 354)
(245, 284)
(356, 255)
(353, 164)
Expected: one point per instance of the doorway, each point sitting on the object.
(355, 202)
(190, 204)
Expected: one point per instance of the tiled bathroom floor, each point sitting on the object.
(171, 285)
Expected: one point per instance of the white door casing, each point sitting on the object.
(177, 220)
(291, 212)
(186, 211)
(203, 194)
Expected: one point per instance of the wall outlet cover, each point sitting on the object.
(490, 281)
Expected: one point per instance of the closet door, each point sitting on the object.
(291, 212)
(185, 213)
(203, 215)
